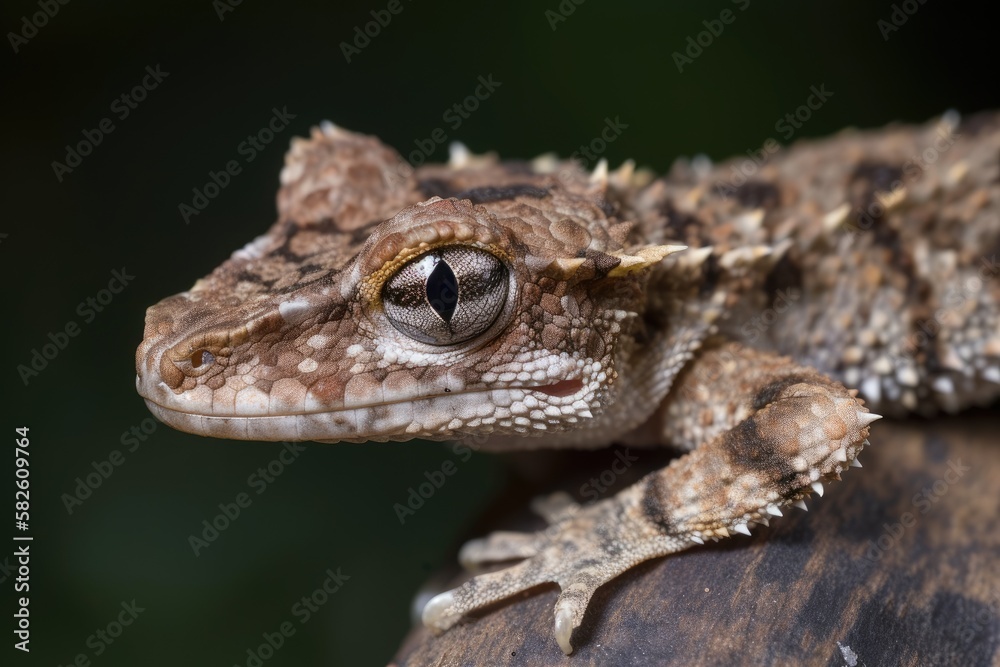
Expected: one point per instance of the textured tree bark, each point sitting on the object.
(897, 565)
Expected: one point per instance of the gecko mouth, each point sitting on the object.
(428, 417)
(561, 388)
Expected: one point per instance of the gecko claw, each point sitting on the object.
(564, 629)
(435, 614)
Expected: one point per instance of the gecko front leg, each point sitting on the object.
(784, 430)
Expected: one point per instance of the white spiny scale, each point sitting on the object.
(458, 155)
(696, 256)
(840, 455)
(779, 250)
(943, 385)
(600, 173)
(818, 488)
(856, 463)
(701, 165)
(546, 163)
(832, 221)
(328, 128)
(697, 540)
(867, 418)
(773, 510)
(741, 528)
(622, 176)
(744, 256)
(722, 531)
(801, 504)
(751, 221)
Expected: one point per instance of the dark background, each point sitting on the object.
(333, 507)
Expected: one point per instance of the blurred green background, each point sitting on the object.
(333, 506)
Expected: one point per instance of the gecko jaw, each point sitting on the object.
(428, 417)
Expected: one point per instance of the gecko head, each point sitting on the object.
(445, 322)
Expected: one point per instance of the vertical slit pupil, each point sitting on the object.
(442, 290)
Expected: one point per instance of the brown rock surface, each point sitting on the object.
(897, 565)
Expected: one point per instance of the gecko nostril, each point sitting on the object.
(199, 357)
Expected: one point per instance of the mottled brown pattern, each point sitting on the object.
(866, 256)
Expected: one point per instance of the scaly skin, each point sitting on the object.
(580, 316)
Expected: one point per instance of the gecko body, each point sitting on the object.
(536, 304)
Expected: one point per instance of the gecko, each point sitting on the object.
(751, 314)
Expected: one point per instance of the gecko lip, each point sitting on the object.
(385, 420)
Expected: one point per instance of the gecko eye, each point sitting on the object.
(446, 296)
(199, 357)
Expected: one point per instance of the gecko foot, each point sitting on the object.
(584, 548)
(804, 430)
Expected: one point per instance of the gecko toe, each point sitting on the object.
(498, 546)
(436, 610)
(554, 507)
